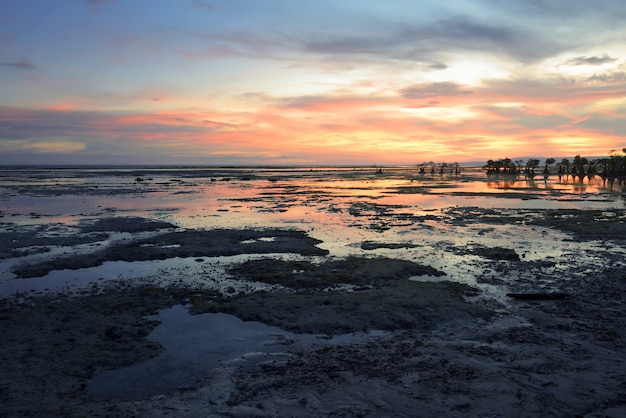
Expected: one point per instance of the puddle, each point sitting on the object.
(429, 279)
(195, 345)
(262, 239)
(209, 272)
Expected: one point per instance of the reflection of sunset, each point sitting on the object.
(317, 197)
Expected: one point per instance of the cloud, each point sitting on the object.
(49, 146)
(21, 64)
(332, 104)
(429, 42)
(609, 124)
(526, 31)
(611, 77)
(558, 9)
(529, 118)
(464, 29)
(432, 90)
(199, 4)
(605, 59)
(437, 66)
(118, 136)
(22, 123)
(566, 94)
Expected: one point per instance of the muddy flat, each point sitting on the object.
(321, 291)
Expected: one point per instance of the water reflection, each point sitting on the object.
(241, 196)
(564, 184)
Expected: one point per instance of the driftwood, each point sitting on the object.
(539, 296)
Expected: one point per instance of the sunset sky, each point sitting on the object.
(309, 82)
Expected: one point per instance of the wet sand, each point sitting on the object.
(353, 303)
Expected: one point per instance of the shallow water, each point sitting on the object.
(194, 346)
(197, 345)
(343, 207)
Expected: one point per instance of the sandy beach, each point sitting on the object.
(245, 292)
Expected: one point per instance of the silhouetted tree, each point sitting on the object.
(564, 166)
(592, 167)
(531, 164)
(579, 165)
(604, 163)
(504, 166)
(615, 165)
(548, 162)
(508, 166)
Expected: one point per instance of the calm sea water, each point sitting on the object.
(190, 190)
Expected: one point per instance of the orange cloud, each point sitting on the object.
(436, 121)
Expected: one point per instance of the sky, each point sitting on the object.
(324, 82)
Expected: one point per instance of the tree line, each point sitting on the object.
(612, 166)
(433, 167)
